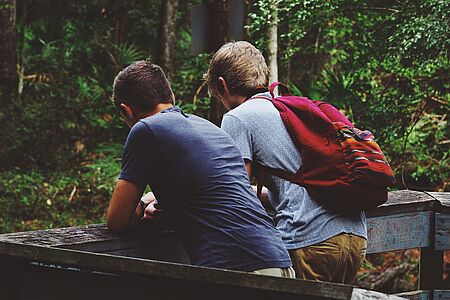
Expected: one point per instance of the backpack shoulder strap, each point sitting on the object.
(284, 90)
(332, 112)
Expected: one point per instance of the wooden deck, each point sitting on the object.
(92, 263)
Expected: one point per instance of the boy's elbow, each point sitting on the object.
(115, 225)
(112, 226)
(115, 228)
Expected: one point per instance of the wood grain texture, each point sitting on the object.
(444, 200)
(442, 240)
(402, 231)
(73, 260)
(64, 236)
(405, 201)
(95, 238)
(98, 238)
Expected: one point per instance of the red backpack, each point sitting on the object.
(342, 166)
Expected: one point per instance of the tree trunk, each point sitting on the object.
(8, 58)
(21, 25)
(283, 47)
(220, 11)
(272, 42)
(167, 34)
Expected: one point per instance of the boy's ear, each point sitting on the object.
(127, 109)
(224, 85)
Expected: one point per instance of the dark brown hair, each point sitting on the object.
(143, 85)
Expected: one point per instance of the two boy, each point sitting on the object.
(201, 181)
(197, 176)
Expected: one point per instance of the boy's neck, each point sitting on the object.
(159, 107)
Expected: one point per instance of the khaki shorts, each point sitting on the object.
(278, 272)
(336, 259)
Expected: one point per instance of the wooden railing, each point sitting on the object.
(415, 220)
(90, 262)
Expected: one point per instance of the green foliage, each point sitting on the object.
(425, 151)
(127, 54)
(385, 64)
(187, 81)
(32, 200)
(57, 141)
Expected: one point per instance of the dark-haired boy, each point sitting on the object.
(198, 177)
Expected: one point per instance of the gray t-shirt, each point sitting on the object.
(259, 133)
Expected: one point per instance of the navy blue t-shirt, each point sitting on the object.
(198, 177)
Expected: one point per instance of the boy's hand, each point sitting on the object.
(151, 212)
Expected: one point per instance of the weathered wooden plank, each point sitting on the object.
(406, 221)
(442, 241)
(416, 295)
(405, 201)
(360, 294)
(141, 268)
(407, 196)
(124, 243)
(441, 295)
(64, 236)
(444, 199)
(44, 282)
(153, 244)
(169, 253)
(98, 238)
(95, 238)
(402, 231)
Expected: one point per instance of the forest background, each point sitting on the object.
(384, 63)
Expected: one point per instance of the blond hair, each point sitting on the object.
(241, 65)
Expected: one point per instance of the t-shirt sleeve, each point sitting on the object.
(240, 134)
(137, 156)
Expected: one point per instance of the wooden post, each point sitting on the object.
(431, 264)
(430, 268)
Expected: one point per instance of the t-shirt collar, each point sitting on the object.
(174, 108)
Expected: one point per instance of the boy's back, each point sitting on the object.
(259, 132)
(198, 176)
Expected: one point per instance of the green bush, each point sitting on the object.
(385, 65)
(31, 200)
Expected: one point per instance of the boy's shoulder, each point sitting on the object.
(253, 112)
